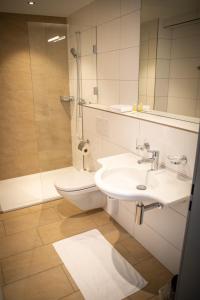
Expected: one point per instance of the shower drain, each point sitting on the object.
(141, 187)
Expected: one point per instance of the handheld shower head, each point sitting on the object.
(73, 52)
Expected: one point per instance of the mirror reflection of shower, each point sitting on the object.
(74, 53)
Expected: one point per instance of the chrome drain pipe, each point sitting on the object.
(141, 209)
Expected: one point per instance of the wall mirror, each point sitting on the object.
(169, 78)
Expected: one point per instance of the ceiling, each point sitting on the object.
(152, 9)
(58, 8)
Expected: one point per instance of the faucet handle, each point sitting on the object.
(177, 159)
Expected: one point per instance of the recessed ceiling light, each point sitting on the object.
(31, 2)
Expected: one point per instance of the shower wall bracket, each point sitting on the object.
(67, 98)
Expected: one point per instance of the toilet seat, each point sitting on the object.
(76, 181)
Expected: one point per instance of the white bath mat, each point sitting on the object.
(98, 269)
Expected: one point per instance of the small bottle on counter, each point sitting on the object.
(135, 107)
(140, 107)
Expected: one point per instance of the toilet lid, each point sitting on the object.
(75, 180)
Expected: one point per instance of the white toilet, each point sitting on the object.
(79, 188)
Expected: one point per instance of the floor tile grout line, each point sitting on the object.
(38, 225)
(31, 228)
(29, 209)
(35, 274)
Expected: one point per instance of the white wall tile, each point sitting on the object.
(187, 31)
(108, 65)
(88, 67)
(88, 91)
(181, 208)
(164, 48)
(186, 47)
(128, 6)
(183, 106)
(168, 255)
(128, 92)
(121, 214)
(108, 92)
(129, 63)
(127, 131)
(88, 39)
(107, 10)
(130, 30)
(184, 68)
(161, 88)
(179, 142)
(82, 19)
(158, 220)
(162, 68)
(161, 103)
(186, 88)
(108, 36)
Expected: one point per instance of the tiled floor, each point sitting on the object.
(30, 269)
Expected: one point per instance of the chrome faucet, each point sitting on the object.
(154, 160)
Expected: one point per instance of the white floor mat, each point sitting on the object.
(98, 269)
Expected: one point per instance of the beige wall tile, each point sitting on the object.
(52, 284)
(74, 296)
(16, 243)
(1, 278)
(28, 263)
(32, 72)
(2, 230)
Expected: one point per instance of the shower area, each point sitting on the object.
(47, 72)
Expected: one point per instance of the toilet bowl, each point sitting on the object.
(79, 188)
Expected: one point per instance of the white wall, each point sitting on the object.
(116, 30)
(177, 76)
(163, 230)
(114, 26)
(118, 26)
(148, 52)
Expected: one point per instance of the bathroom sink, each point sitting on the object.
(122, 178)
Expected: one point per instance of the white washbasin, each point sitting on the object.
(120, 176)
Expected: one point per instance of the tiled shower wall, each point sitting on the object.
(163, 230)
(117, 25)
(114, 27)
(34, 125)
